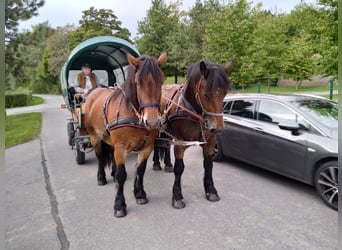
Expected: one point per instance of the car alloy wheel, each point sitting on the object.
(326, 183)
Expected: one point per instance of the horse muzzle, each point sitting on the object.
(151, 120)
(151, 116)
(213, 126)
(151, 124)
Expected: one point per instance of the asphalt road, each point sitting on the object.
(53, 203)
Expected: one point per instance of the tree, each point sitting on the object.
(57, 46)
(95, 22)
(178, 46)
(198, 20)
(156, 30)
(24, 53)
(230, 34)
(329, 46)
(19, 10)
(177, 41)
(299, 61)
(268, 47)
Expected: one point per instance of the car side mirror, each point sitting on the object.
(290, 126)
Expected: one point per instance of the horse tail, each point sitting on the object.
(106, 154)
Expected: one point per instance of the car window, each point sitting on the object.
(243, 108)
(273, 112)
(322, 110)
(226, 107)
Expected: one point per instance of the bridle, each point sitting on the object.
(190, 110)
(198, 100)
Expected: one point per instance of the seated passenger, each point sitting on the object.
(84, 82)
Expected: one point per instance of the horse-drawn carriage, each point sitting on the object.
(129, 117)
(107, 55)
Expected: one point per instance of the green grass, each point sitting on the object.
(22, 128)
(253, 88)
(335, 97)
(171, 79)
(36, 100)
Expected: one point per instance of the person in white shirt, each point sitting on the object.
(85, 81)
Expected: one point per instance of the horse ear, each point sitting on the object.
(228, 67)
(133, 61)
(204, 69)
(162, 59)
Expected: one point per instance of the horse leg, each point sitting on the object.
(167, 160)
(101, 175)
(121, 176)
(156, 164)
(104, 157)
(113, 166)
(209, 188)
(139, 192)
(177, 196)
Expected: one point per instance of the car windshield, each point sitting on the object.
(323, 111)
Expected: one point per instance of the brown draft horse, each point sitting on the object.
(193, 112)
(126, 119)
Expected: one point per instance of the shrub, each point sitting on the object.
(17, 98)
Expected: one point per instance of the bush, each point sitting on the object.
(17, 98)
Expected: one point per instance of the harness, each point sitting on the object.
(119, 122)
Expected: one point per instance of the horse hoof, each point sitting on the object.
(168, 169)
(142, 201)
(156, 167)
(120, 213)
(101, 182)
(212, 197)
(178, 204)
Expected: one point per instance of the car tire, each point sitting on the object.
(79, 154)
(71, 133)
(218, 154)
(326, 183)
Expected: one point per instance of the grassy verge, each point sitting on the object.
(335, 97)
(22, 128)
(36, 100)
(253, 88)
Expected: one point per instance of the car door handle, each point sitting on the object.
(259, 129)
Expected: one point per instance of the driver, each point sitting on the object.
(85, 81)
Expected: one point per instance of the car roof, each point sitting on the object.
(283, 97)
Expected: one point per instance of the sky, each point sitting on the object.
(129, 12)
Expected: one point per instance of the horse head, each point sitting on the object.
(209, 84)
(145, 87)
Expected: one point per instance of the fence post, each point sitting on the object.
(258, 87)
(331, 89)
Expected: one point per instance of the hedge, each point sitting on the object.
(18, 98)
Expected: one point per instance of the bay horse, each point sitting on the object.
(193, 112)
(126, 118)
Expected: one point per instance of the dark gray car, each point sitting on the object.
(293, 135)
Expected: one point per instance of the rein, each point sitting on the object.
(199, 117)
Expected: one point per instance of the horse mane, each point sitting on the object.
(215, 79)
(148, 66)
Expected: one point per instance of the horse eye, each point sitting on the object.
(206, 96)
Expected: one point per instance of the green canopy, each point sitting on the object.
(102, 52)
